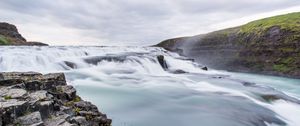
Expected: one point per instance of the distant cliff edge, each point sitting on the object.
(267, 46)
(9, 35)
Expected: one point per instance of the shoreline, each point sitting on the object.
(30, 98)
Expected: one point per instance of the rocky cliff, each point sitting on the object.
(9, 35)
(267, 46)
(37, 100)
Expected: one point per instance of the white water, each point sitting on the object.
(129, 85)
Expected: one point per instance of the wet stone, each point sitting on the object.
(30, 119)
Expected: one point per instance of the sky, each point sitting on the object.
(131, 22)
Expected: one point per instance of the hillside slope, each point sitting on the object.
(268, 46)
(9, 35)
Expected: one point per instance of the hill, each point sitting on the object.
(9, 35)
(268, 46)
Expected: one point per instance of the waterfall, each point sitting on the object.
(130, 85)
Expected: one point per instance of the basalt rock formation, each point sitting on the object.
(267, 46)
(44, 100)
(9, 35)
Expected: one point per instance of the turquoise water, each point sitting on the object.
(130, 86)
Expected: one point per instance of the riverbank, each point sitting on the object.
(29, 98)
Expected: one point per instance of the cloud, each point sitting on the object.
(127, 22)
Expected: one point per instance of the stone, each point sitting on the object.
(38, 95)
(12, 109)
(179, 72)
(86, 106)
(66, 124)
(11, 32)
(71, 65)
(46, 108)
(1, 119)
(30, 119)
(24, 76)
(16, 93)
(162, 62)
(79, 120)
(44, 100)
(69, 91)
(204, 68)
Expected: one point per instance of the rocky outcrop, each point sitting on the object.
(35, 99)
(9, 35)
(267, 46)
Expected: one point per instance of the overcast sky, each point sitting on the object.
(131, 22)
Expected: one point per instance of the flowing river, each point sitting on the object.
(131, 87)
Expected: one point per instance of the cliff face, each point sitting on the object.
(9, 35)
(268, 46)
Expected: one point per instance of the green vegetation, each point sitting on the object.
(77, 110)
(288, 21)
(77, 99)
(6, 97)
(269, 45)
(3, 40)
(281, 68)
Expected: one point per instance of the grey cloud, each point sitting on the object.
(139, 22)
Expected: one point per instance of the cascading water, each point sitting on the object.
(130, 86)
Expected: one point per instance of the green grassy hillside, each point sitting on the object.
(270, 45)
(285, 22)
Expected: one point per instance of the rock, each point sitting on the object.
(12, 109)
(34, 99)
(46, 108)
(46, 82)
(179, 72)
(248, 83)
(19, 75)
(66, 124)
(69, 91)
(264, 46)
(30, 119)
(86, 106)
(38, 95)
(162, 62)
(11, 34)
(204, 68)
(35, 44)
(70, 65)
(79, 120)
(15, 93)
(270, 98)
(49, 97)
(1, 119)
(57, 120)
(10, 31)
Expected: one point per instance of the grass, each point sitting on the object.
(7, 97)
(281, 68)
(288, 21)
(3, 40)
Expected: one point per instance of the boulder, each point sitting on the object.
(15, 93)
(46, 108)
(179, 72)
(39, 95)
(30, 119)
(12, 108)
(34, 99)
(79, 120)
(204, 68)
(162, 62)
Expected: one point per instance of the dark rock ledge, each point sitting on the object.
(34, 99)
